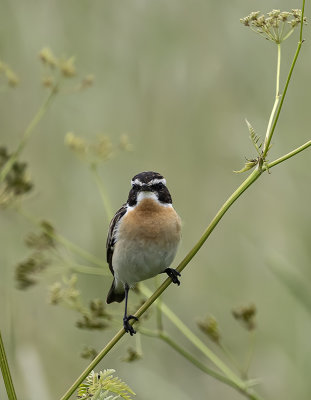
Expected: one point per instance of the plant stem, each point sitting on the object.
(204, 368)
(158, 304)
(78, 250)
(85, 269)
(65, 242)
(184, 353)
(275, 105)
(171, 342)
(7, 378)
(93, 364)
(250, 352)
(197, 342)
(239, 191)
(102, 192)
(287, 156)
(227, 353)
(28, 132)
(270, 133)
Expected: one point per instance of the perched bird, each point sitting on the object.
(143, 238)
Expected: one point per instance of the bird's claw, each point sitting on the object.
(127, 326)
(173, 274)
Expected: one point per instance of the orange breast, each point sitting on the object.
(151, 221)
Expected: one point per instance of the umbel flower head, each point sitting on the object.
(276, 26)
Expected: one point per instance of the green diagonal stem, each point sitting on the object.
(7, 378)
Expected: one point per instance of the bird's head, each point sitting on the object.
(149, 185)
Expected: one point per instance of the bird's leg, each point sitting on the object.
(126, 325)
(173, 274)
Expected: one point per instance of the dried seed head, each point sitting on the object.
(47, 57)
(246, 315)
(76, 143)
(276, 26)
(56, 293)
(210, 327)
(125, 143)
(87, 81)
(48, 81)
(132, 355)
(89, 353)
(11, 77)
(68, 68)
(103, 148)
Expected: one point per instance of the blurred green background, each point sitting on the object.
(178, 77)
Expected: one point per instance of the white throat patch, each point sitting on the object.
(147, 195)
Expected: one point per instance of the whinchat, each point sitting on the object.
(143, 238)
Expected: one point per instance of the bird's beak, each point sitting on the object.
(146, 188)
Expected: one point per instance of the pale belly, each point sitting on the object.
(136, 260)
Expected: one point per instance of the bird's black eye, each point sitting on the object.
(135, 187)
(158, 186)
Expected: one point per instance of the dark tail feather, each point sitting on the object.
(116, 293)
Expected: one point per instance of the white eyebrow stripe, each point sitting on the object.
(155, 181)
(152, 182)
(136, 182)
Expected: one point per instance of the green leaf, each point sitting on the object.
(254, 138)
(99, 385)
(248, 165)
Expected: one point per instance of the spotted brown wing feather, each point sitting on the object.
(111, 239)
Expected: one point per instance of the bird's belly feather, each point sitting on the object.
(135, 260)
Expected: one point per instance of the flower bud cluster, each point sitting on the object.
(276, 26)
(100, 150)
(57, 67)
(11, 77)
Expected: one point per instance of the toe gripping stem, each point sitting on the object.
(173, 274)
(127, 326)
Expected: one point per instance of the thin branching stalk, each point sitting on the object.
(65, 242)
(7, 378)
(192, 359)
(230, 357)
(268, 139)
(102, 191)
(159, 306)
(287, 156)
(85, 269)
(250, 352)
(276, 101)
(198, 342)
(204, 368)
(27, 134)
